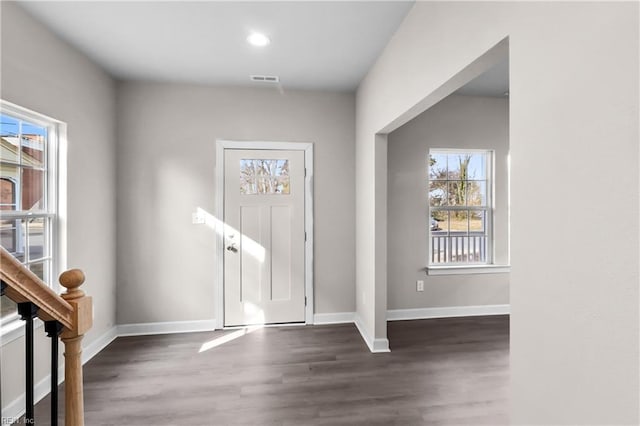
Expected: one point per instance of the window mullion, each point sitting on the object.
(7, 214)
(27, 255)
(20, 158)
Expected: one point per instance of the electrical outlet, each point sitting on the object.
(419, 285)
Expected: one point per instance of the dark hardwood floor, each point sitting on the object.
(452, 371)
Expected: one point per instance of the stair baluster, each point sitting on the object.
(53, 329)
(27, 312)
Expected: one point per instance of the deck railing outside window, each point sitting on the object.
(458, 248)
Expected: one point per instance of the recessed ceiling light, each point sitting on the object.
(258, 39)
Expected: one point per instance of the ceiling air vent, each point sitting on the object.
(265, 78)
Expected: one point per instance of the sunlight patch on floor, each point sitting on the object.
(214, 343)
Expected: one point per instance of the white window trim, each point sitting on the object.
(55, 190)
(470, 269)
(458, 268)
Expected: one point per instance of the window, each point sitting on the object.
(460, 207)
(28, 207)
(264, 177)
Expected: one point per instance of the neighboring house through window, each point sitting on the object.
(460, 207)
(28, 187)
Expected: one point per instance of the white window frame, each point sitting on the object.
(56, 131)
(488, 266)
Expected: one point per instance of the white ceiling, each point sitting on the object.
(314, 45)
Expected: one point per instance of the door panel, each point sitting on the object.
(250, 264)
(264, 239)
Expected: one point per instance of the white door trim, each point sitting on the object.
(307, 147)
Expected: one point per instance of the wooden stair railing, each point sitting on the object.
(73, 310)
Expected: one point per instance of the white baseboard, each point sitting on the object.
(99, 344)
(146, 329)
(375, 345)
(16, 408)
(334, 318)
(447, 312)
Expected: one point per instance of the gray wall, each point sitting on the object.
(44, 74)
(573, 110)
(166, 170)
(456, 122)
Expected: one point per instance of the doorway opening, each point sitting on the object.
(447, 197)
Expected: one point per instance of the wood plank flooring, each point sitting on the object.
(451, 371)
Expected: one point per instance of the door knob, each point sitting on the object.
(232, 248)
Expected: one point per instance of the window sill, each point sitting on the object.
(15, 330)
(468, 269)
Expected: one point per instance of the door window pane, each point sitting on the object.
(264, 176)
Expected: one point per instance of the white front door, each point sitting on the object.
(264, 241)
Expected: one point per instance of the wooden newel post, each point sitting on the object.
(72, 339)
